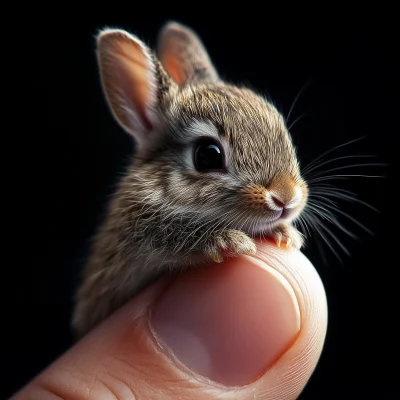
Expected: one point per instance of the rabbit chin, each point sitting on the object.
(259, 226)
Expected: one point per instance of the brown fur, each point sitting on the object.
(165, 214)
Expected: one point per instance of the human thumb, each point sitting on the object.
(246, 328)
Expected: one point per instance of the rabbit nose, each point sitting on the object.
(284, 201)
(279, 203)
(276, 203)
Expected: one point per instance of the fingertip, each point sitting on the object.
(250, 326)
(236, 320)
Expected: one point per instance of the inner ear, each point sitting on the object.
(174, 68)
(184, 56)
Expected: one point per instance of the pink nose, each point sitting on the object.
(278, 202)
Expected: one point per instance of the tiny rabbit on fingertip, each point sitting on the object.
(214, 168)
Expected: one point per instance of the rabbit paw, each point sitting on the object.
(289, 235)
(230, 242)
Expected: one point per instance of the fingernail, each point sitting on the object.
(228, 322)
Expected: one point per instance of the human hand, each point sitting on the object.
(250, 327)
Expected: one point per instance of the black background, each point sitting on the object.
(69, 152)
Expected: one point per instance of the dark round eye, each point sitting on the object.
(209, 156)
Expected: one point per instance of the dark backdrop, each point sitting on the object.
(69, 152)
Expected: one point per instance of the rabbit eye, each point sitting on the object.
(209, 156)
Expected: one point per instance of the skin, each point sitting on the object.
(124, 359)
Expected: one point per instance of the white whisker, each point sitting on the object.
(335, 238)
(335, 159)
(341, 196)
(315, 223)
(343, 176)
(346, 167)
(296, 120)
(351, 218)
(312, 163)
(296, 99)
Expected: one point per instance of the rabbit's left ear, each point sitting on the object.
(184, 56)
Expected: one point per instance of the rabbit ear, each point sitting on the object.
(133, 81)
(184, 56)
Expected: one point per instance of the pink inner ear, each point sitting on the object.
(174, 68)
(127, 79)
(136, 78)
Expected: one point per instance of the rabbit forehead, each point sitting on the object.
(251, 126)
(233, 111)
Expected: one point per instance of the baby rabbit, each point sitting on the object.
(214, 168)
